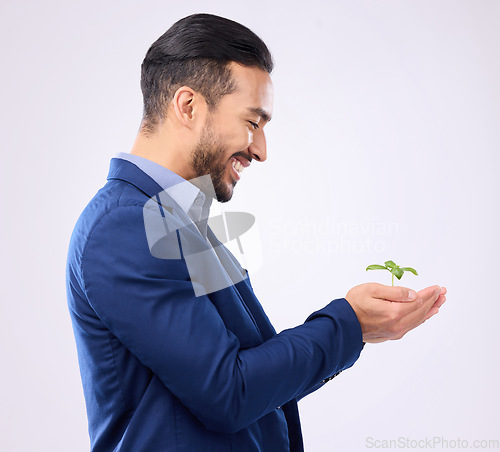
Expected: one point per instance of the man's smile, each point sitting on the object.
(238, 164)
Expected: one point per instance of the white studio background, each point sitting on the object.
(384, 145)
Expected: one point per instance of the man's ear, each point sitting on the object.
(188, 106)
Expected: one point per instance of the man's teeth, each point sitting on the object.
(238, 166)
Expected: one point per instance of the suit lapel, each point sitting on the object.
(243, 289)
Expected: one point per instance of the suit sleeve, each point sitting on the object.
(149, 304)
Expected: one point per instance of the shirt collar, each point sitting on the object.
(189, 197)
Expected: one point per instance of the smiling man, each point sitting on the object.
(175, 351)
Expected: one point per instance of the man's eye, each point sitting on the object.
(254, 124)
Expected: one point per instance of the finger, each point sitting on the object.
(414, 314)
(429, 291)
(428, 299)
(440, 301)
(435, 308)
(432, 312)
(393, 293)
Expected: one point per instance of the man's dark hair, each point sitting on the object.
(195, 52)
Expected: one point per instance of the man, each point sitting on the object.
(176, 353)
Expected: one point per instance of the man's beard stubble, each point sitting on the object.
(208, 158)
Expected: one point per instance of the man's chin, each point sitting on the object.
(224, 194)
(224, 197)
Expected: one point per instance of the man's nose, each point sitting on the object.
(258, 147)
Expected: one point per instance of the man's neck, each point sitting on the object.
(165, 151)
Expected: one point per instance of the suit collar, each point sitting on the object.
(126, 171)
(152, 179)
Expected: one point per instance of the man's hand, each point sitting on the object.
(387, 313)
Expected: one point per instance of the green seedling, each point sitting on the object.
(395, 270)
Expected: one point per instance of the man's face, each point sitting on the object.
(233, 135)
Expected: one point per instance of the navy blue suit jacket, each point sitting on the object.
(166, 370)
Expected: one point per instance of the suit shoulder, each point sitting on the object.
(113, 198)
(113, 195)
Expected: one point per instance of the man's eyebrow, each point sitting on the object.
(261, 112)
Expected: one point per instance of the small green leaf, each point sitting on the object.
(409, 269)
(397, 272)
(375, 267)
(390, 264)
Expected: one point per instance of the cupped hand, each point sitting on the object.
(388, 313)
